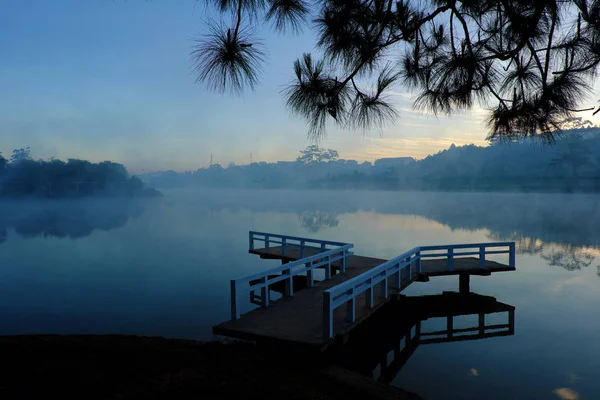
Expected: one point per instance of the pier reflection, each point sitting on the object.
(381, 347)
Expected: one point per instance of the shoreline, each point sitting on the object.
(141, 367)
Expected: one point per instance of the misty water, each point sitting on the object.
(162, 267)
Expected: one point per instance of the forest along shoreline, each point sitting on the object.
(137, 367)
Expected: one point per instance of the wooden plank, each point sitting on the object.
(299, 319)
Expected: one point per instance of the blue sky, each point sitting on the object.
(102, 79)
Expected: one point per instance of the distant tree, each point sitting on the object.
(3, 163)
(314, 154)
(74, 178)
(577, 123)
(573, 153)
(19, 155)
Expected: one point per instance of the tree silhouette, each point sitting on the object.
(313, 154)
(20, 155)
(529, 62)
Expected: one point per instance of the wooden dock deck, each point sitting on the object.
(299, 317)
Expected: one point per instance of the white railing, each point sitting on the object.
(286, 242)
(307, 265)
(400, 269)
(470, 249)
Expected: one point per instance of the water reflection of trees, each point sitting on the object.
(314, 221)
(567, 256)
(70, 220)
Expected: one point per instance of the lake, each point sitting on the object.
(162, 267)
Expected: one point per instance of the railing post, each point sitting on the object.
(511, 255)
(266, 241)
(409, 261)
(289, 283)
(343, 264)
(418, 262)
(264, 292)
(251, 240)
(310, 281)
(351, 307)
(302, 242)
(235, 313)
(327, 316)
(370, 303)
(323, 247)
(328, 268)
(450, 259)
(283, 247)
(482, 256)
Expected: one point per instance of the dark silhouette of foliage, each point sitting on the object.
(531, 63)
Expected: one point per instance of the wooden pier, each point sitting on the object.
(312, 313)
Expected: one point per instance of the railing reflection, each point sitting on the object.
(381, 347)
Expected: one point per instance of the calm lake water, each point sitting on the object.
(162, 267)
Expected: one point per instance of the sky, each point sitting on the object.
(111, 80)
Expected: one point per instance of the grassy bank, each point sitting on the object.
(133, 367)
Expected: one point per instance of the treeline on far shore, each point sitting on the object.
(22, 176)
(571, 164)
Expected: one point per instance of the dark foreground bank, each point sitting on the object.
(133, 367)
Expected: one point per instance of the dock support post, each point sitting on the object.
(251, 241)
(264, 292)
(481, 324)
(283, 247)
(327, 316)
(310, 280)
(369, 295)
(511, 255)
(464, 281)
(351, 308)
(267, 242)
(385, 288)
(289, 283)
(450, 259)
(482, 256)
(235, 314)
